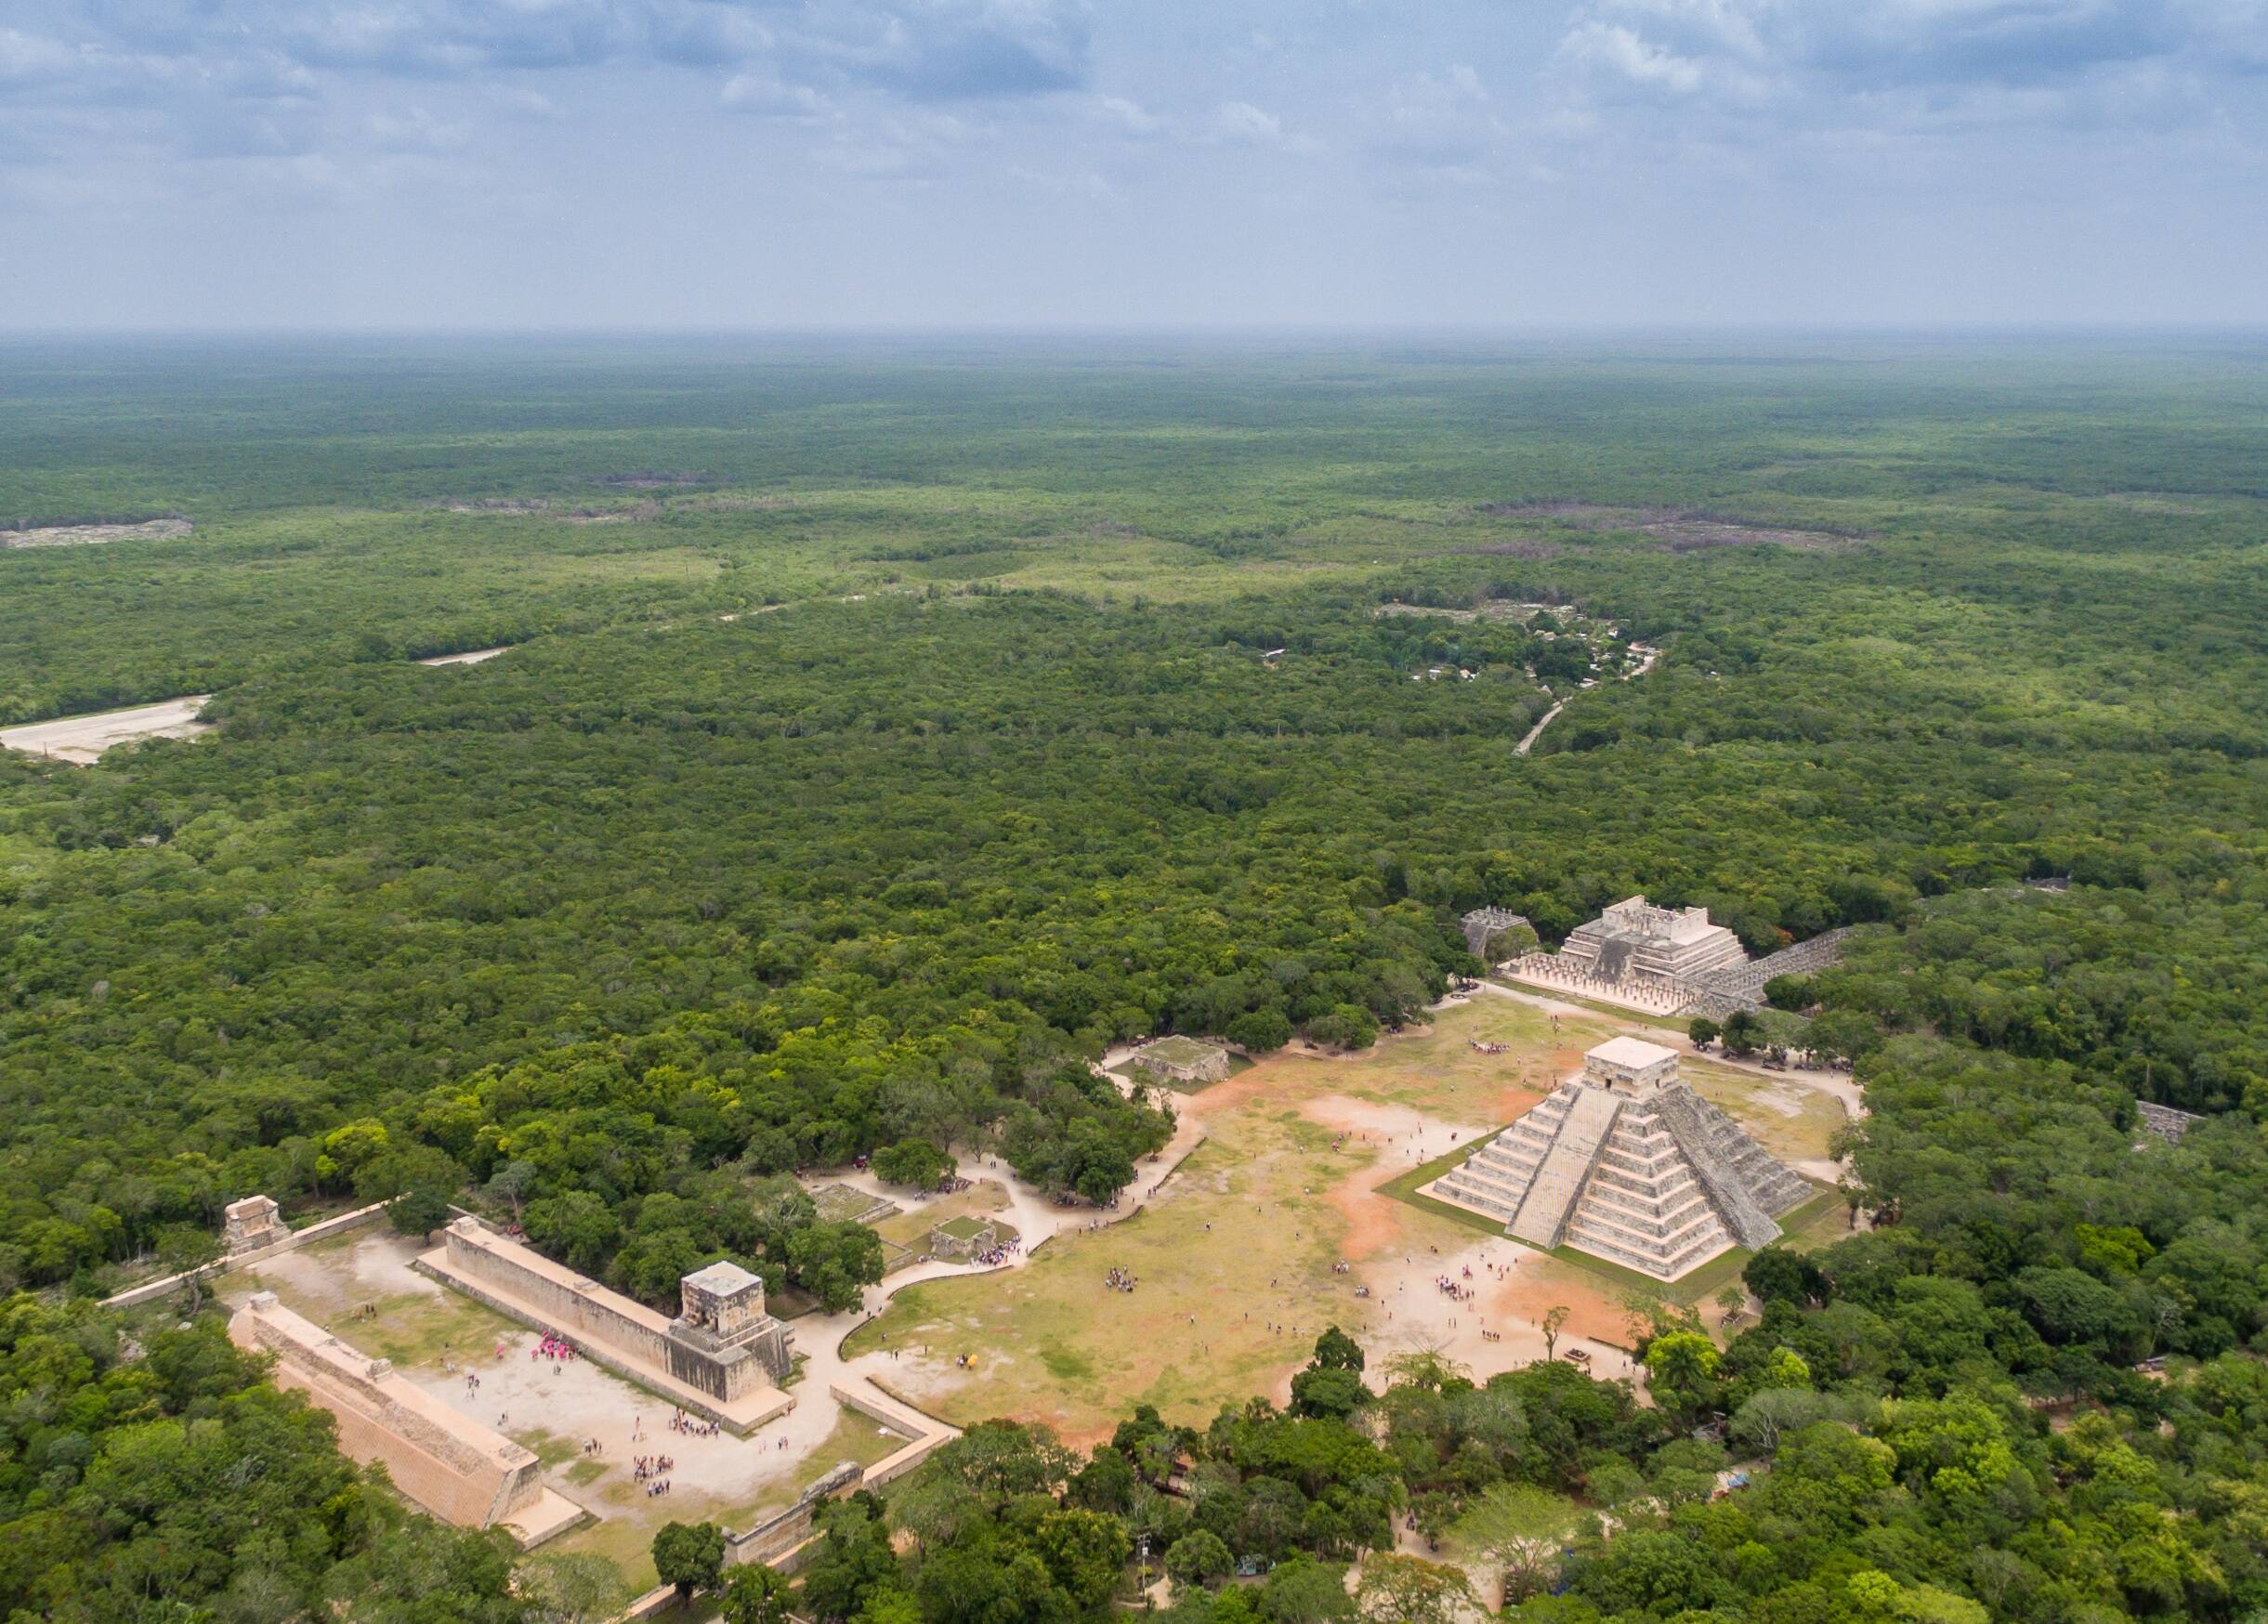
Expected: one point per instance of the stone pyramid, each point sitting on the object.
(1628, 1163)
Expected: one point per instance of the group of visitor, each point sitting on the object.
(691, 1426)
(1119, 1279)
(557, 1349)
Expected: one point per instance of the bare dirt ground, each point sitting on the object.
(83, 536)
(83, 738)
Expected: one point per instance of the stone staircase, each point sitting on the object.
(1659, 1181)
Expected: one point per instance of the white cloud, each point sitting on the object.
(767, 96)
(414, 130)
(1242, 125)
(29, 59)
(1620, 50)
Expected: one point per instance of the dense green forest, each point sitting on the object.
(986, 769)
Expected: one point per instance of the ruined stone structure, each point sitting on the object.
(2164, 1120)
(721, 1357)
(723, 1342)
(1670, 962)
(963, 1237)
(1628, 1163)
(1720, 992)
(1183, 1060)
(1633, 941)
(451, 1465)
(1484, 923)
(250, 1224)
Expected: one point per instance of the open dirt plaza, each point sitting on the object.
(437, 1337)
(1275, 1223)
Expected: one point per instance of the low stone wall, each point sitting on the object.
(921, 1441)
(779, 1541)
(1742, 985)
(150, 1291)
(568, 1301)
(654, 1603)
(453, 1467)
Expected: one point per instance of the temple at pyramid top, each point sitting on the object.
(1628, 1163)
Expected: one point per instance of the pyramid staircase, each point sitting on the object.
(1659, 1181)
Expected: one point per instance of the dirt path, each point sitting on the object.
(1537, 731)
(1037, 1221)
(1646, 664)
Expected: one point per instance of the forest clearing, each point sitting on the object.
(1235, 1254)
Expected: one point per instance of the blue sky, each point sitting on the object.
(441, 163)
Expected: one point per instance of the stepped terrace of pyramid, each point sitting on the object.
(1625, 1163)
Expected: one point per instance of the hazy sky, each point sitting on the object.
(1130, 163)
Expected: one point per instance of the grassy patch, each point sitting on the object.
(1065, 1364)
(550, 1449)
(983, 1199)
(1233, 1265)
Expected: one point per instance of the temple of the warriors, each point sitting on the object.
(1627, 1164)
(450, 1464)
(1635, 940)
(1668, 961)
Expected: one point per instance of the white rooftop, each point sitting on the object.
(723, 1278)
(1634, 1053)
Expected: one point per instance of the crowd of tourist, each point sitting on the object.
(692, 1426)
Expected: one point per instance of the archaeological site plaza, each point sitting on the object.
(722, 1357)
(1627, 1164)
(447, 1464)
